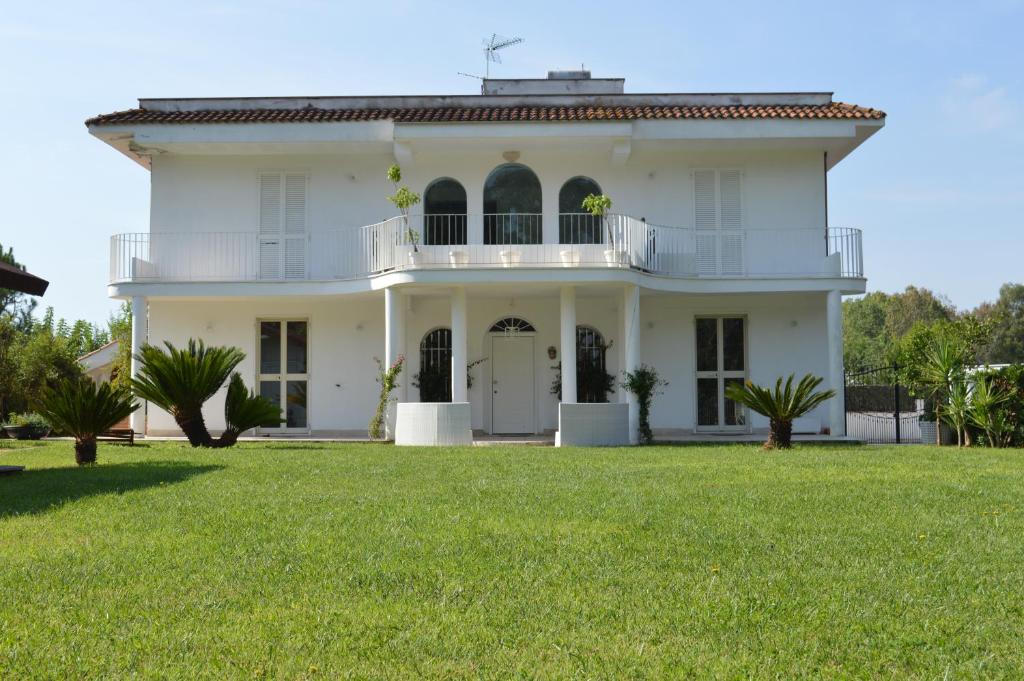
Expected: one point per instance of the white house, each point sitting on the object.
(270, 230)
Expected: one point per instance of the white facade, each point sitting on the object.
(254, 222)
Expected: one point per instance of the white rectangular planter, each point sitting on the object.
(433, 423)
(593, 425)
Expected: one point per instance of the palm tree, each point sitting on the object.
(942, 369)
(181, 381)
(244, 409)
(84, 409)
(781, 405)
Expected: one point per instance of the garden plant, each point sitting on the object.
(85, 409)
(781, 405)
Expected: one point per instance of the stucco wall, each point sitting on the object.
(781, 189)
(786, 333)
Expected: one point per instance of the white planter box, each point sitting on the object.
(458, 258)
(570, 258)
(433, 423)
(593, 425)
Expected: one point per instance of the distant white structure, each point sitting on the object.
(99, 364)
(270, 230)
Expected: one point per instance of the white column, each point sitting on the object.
(460, 393)
(394, 333)
(140, 322)
(568, 317)
(631, 352)
(834, 320)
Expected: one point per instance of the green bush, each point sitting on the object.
(84, 409)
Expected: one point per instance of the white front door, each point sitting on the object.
(512, 391)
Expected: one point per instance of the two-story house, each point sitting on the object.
(271, 230)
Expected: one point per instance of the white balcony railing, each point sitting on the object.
(439, 241)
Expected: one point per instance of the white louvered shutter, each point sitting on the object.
(718, 218)
(706, 220)
(295, 226)
(270, 226)
(730, 211)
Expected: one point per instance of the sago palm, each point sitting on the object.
(180, 381)
(84, 409)
(244, 409)
(781, 405)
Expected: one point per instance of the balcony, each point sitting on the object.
(509, 241)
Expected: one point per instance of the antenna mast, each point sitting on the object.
(491, 48)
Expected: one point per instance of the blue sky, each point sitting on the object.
(939, 192)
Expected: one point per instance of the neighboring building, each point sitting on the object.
(270, 230)
(99, 364)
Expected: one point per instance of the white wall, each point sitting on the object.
(786, 334)
(781, 189)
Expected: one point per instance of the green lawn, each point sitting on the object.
(323, 560)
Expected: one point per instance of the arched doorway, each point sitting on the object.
(435, 377)
(512, 206)
(513, 394)
(444, 212)
(575, 226)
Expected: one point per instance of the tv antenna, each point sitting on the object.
(491, 48)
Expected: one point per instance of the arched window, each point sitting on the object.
(575, 226)
(511, 326)
(435, 377)
(512, 206)
(444, 212)
(593, 382)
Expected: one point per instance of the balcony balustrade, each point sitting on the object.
(421, 242)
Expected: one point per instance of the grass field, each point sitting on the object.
(327, 560)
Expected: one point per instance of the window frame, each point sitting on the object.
(720, 373)
(284, 376)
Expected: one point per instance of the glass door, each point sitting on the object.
(721, 361)
(284, 370)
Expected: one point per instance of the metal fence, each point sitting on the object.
(878, 409)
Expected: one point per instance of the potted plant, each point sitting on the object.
(404, 199)
(570, 257)
(510, 257)
(27, 426)
(598, 206)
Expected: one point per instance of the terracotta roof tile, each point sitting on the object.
(476, 114)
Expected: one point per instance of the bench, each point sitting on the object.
(118, 435)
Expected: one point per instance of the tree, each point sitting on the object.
(940, 370)
(874, 324)
(181, 381)
(1007, 313)
(119, 328)
(782, 405)
(84, 410)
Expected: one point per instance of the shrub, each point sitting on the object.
(781, 405)
(181, 381)
(387, 376)
(84, 409)
(645, 383)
